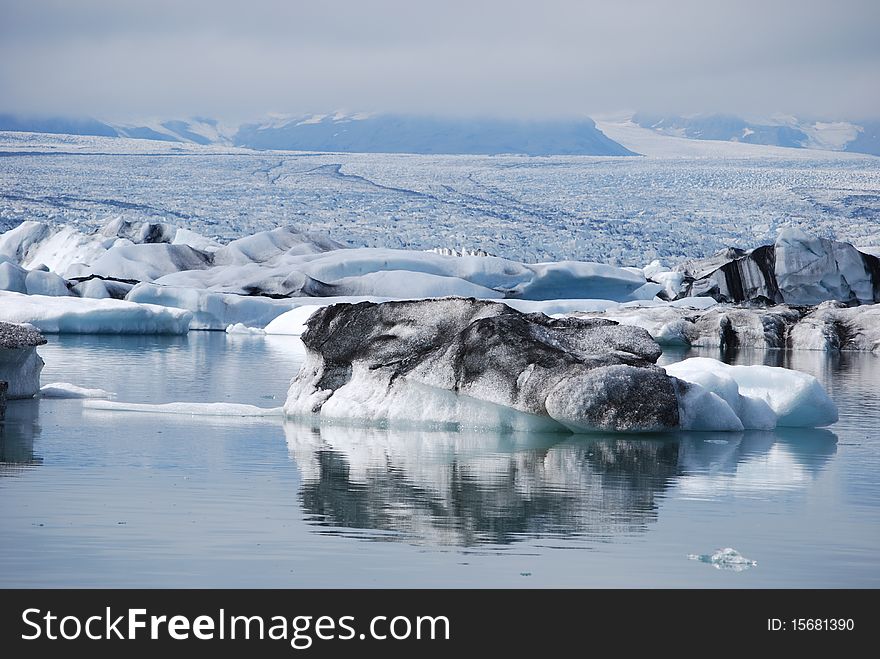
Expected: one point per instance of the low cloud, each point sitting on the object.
(240, 60)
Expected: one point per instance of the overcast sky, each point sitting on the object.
(121, 59)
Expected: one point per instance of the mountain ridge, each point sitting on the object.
(385, 133)
(395, 133)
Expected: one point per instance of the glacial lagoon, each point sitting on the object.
(123, 499)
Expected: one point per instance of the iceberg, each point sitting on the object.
(254, 280)
(67, 390)
(33, 282)
(92, 288)
(20, 365)
(66, 250)
(797, 269)
(191, 409)
(12, 277)
(242, 329)
(211, 310)
(833, 326)
(762, 397)
(726, 558)
(475, 364)
(287, 262)
(147, 262)
(72, 315)
(830, 326)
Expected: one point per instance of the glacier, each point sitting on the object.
(622, 211)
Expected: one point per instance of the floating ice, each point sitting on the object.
(12, 277)
(725, 559)
(479, 364)
(288, 262)
(92, 288)
(31, 243)
(241, 328)
(255, 279)
(148, 262)
(830, 326)
(217, 311)
(797, 269)
(67, 390)
(73, 315)
(761, 397)
(40, 282)
(20, 365)
(192, 409)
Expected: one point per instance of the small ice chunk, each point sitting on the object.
(67, 390)
(193, 409)
(726, 558)
(241, 328)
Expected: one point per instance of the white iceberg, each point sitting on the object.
(810, 270)
(72, 315)
(33, 282)
(12, 277)
(56, 247)
(147, 262)
(211, 310)
(761, 397)
(242, 329)
(288, 262)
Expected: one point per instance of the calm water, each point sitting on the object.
(92, 498)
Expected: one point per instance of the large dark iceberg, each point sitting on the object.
(466, 363)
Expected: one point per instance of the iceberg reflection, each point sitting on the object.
(17, 433)
(459, 489)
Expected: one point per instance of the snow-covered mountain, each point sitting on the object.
(786, 131)
(388, 133)
(426, 135)
(354, 133)
(196, 130)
